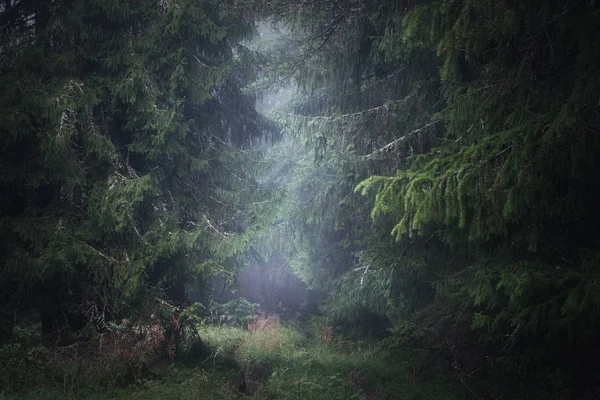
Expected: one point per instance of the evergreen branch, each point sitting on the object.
(214, 228)
(337, 89)
(204, 64)
(143, 240)
(260, 53)
(164, 303)
(229, 207)
(329, 33)
(101, 254)
(392, 145)
(334, 118)
(238, 150)
(256, 255)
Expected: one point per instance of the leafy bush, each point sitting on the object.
(21, 358)
(121, 356)
(236, 312)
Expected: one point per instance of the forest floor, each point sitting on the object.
(274, 362)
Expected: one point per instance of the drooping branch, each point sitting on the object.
(330, 30)
(333, 118)
(393, 156)
(392, 147)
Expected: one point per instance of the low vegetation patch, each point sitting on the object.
(264, 360)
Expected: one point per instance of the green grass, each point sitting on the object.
(299, 367)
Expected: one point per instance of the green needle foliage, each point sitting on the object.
(125, 146)
(472, 127)
(438, 184)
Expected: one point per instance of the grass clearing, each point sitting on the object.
(268, 363)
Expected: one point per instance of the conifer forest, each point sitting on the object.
(300, 199)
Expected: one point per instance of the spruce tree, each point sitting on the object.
(471, 127)
(124, 148)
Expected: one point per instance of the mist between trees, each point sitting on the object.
(340, 199)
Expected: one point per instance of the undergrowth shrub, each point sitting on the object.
(124, 353)
(324, 332)
(263, 340)
(302, 365)
(233, 313)
(22, 358)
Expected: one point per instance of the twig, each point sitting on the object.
(214, 228)
(203, 64)
(213, 356)
(103, 255)
(462, 380)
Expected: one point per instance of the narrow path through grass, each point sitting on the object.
(278, 363)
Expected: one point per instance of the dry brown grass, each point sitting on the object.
(326, 333)
(265, 331)
(118, 357)
(264, 322)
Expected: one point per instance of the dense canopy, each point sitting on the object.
(427, 169)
